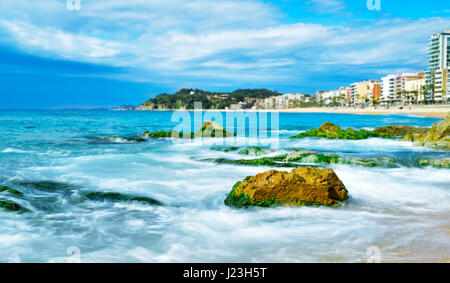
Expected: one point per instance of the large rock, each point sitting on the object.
(302, 186)
(212, 129)
(438, 136)
(399, 131)
(331, 131)
(209, 129)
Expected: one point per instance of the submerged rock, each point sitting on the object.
(399, 131)
(330, 131)
(209, 129)
(164, 134)
(438, 136)
(101, 196)
(119, 139)
(47, 185)
(309, 158)
(11, 206)
(439, 163)
(302, 186)
(225, 149)
(258, 151)
(10, 190)
(212, 129)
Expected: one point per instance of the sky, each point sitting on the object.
(113, 52)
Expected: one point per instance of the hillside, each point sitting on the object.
(185, 98)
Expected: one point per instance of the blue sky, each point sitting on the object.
(113, 52)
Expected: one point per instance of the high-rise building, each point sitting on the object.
(438, 65)
(442, 85)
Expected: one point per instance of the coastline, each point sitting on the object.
(434, 111)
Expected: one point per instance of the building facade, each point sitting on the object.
(438, 66)
(365, 93)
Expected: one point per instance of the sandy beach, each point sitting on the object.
(426, 111)
(435, 111)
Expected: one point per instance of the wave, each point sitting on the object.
(14, 150)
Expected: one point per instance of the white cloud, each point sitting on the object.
(65, 45)
(230, 39)
(327, 6)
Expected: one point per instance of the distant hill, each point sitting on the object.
(185, 98)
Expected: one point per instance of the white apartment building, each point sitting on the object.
(438, 64)
(414, 84)
(338, 96)
(389, 89)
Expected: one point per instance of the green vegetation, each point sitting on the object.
(100, 196)
(10, 190)
(183, 99)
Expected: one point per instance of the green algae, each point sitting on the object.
(47, 185)
(101, 196)
(12, 206)
(10, 190)
(437, 163)
(258, 151)
(349, 134)
(309, 159)
(244, 201)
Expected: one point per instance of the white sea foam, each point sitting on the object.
(14, 150)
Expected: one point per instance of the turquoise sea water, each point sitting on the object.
(403, 211)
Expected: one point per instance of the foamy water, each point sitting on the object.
(402, 211)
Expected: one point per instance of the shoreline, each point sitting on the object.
(424, 111)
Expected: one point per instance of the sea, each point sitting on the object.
(58, 158)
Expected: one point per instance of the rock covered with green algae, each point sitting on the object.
(331, 131)
(10, 206)
(301, 187)
(119, 139)
(399, 131)
(212, 129)
(254, 150)
(10, 190)
(438, 163)
(438, 136)
(209, 129)
(308, 158)
(112, 196)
